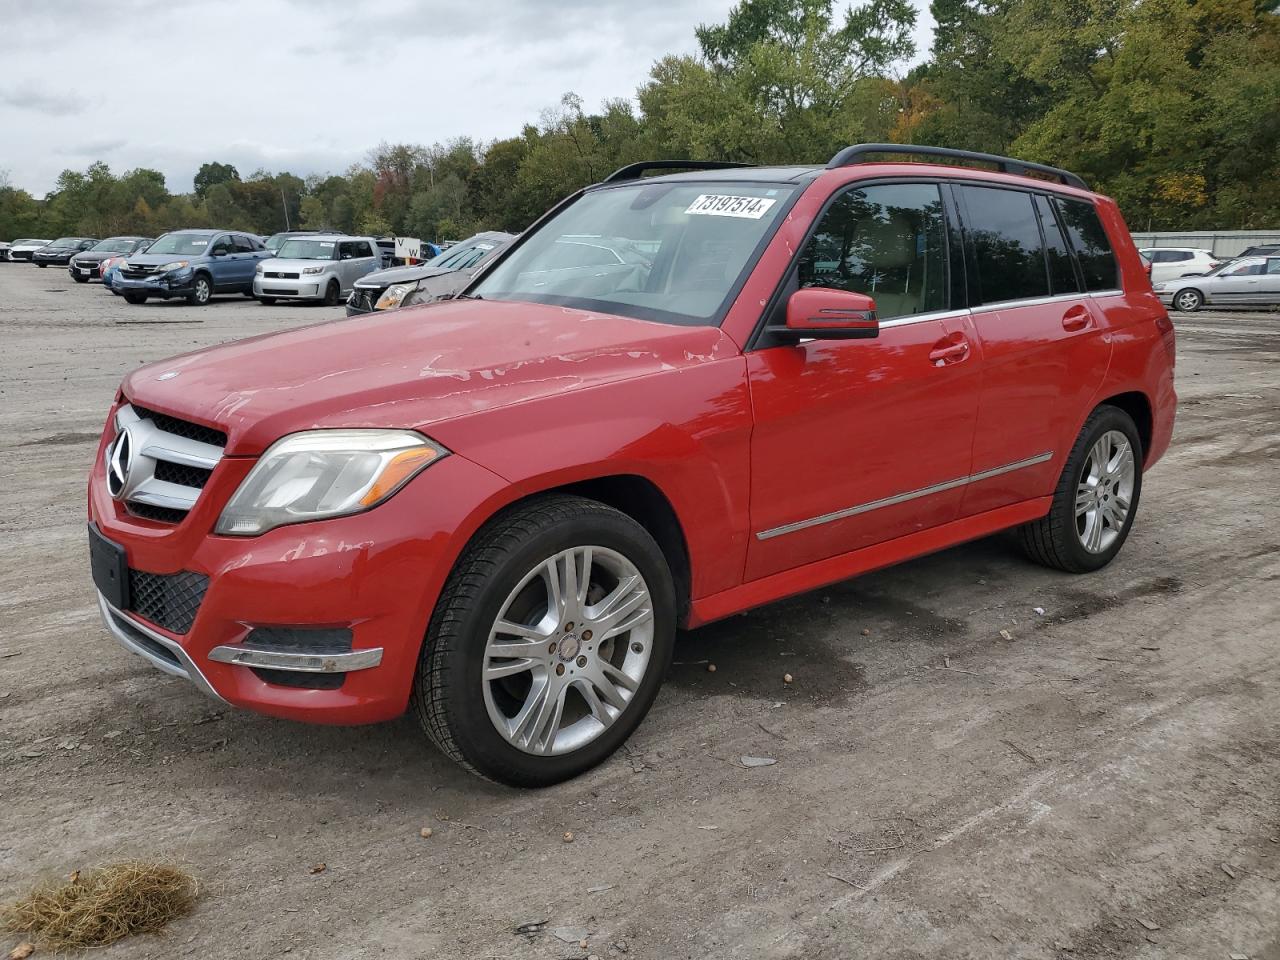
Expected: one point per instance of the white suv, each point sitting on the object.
(1169, 263)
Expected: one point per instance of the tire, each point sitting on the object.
(266, 301)
(1188, 300)
(42, 266)
(503, 573)
(135, 297)
(332, 293)
(201, 290)
(1081, 542)
(79, 279)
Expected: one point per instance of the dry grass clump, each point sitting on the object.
(103, 905)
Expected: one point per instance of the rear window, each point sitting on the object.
(1092, 246)
(1006, 238)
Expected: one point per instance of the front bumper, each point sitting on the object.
(309, 288)
(362, 300)
(165, 285)
(374, 576)
(86, 270)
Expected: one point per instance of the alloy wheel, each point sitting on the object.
(568, 650)
(1188, 301)
(1104, 492)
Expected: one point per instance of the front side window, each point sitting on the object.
(242, 244)
(1006, 239)
(673, 252)
(886, 241)
(186, 244)
(1273, 267)
(1092, 246)
(1249, 268)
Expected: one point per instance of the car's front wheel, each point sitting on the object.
(1189, 300)
(331, 294)
(201, 291)
(135, 297)
(548, 643)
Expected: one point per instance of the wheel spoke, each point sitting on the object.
(1093, 531)
(508, 668)
(522, 649)
(594, 703)
(619, 677)
(1084, 499)
(509, 629)
(606, 688)
(624, 608)
(555, 589)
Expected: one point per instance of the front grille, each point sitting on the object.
(182, 428)
(320, 641)
(148, 511)
(169, 600)
(279, 292)
(365, 299)
(133, 272)
(281, 276)
(182, 474)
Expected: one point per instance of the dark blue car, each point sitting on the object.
(192, 265)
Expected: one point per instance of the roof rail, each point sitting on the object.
(859, 152)
(633, 171)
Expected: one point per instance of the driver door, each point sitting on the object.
(857, 442)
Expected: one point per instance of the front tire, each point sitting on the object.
(201, 291)
(135, 298)
(1096, 499)
(332, 293)
(1188, 300)
(42, 266)
(79, 279)
(549, 642)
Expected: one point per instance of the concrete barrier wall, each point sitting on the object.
(1223, 243)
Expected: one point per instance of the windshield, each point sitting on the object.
(464, 255)
(274, 241)
(306, 250)
(115, 245)
(190, 244)
(65, 242)
(672, 252)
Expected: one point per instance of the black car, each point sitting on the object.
(87, 265)
(61, 250)
(436, 279)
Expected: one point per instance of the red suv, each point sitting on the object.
(674, 398)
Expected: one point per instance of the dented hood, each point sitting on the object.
(410, 368)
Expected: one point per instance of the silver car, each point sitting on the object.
(1247, 282)
(318, 267)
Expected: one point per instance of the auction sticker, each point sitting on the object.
(724, 205)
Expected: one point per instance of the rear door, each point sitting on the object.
(857, 442)
(1240, 283)
(1044, 354)
(1270, 285)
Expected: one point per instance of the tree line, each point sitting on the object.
(1170, 106)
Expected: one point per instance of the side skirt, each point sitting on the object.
(788, 583)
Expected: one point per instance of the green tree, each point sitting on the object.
(211, 174)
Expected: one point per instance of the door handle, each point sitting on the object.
(952, 353)
(1077, 318)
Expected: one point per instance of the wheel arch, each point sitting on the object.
(1138, 406)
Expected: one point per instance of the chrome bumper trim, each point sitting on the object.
(134, 636)
(299, 662)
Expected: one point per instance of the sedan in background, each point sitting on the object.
(437, 279)
(23, 249)
(1250, 282)
(61, 251)
(1169, 263)
(318, 267)
(87, 266)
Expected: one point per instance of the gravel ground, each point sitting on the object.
(1103, 784)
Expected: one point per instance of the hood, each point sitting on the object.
(96, 256)
(411, 368)
(157, 259)
(385, 278)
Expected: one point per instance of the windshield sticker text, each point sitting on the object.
(723, 205)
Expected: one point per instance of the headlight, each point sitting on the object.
(258, 268)
(394, 295)
(175, 265)
(312, 271)
(325, 473)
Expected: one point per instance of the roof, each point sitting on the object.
(791, 174)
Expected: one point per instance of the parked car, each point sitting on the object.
(60, 251)
(1250, 282)
(496, 510)
(319, 267)
(23, 249)
(274, 241)
(87, 266)
(1168, 263)
(192, 265)
(4, 250)
(436, 279)
(1266, 250)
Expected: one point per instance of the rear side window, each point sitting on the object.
(1273, 267)
(1062, 272)
(243, 244)
(362, 249)
(888, 242)
(1091, 244)
(1006, 238)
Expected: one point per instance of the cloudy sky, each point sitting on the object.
(308, 85)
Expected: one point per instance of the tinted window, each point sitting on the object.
(221, 243)
(1089, 239)
(362, 249)
(1006, 238)
(242, 244)
(1273, 267)
(888, 242)
(1062, 272)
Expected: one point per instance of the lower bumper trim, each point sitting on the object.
(154, 647)
(300, 662)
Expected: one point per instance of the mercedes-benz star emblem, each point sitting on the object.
(119, 462)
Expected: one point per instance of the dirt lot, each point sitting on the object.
(1104, 784)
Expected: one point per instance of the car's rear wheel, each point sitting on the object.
(548, 643)
(331, 294)
(42, 265)
(1096, 499)
(1189, 300)
(201, 291)
(135, 297)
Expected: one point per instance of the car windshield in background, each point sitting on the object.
(460, 258)
(306, 250)
(65, 242)
(671, 252)
(273, 242)
(190, 244)
(114, 246)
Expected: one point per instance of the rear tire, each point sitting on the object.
(135, 297)
(332, 293)
(1084, 530)
(201, 291)
(1188, 300)
(597, 688)
(42, 266)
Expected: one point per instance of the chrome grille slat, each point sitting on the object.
(169, 446)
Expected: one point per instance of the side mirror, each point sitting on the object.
(218, 252)
(821, 313)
